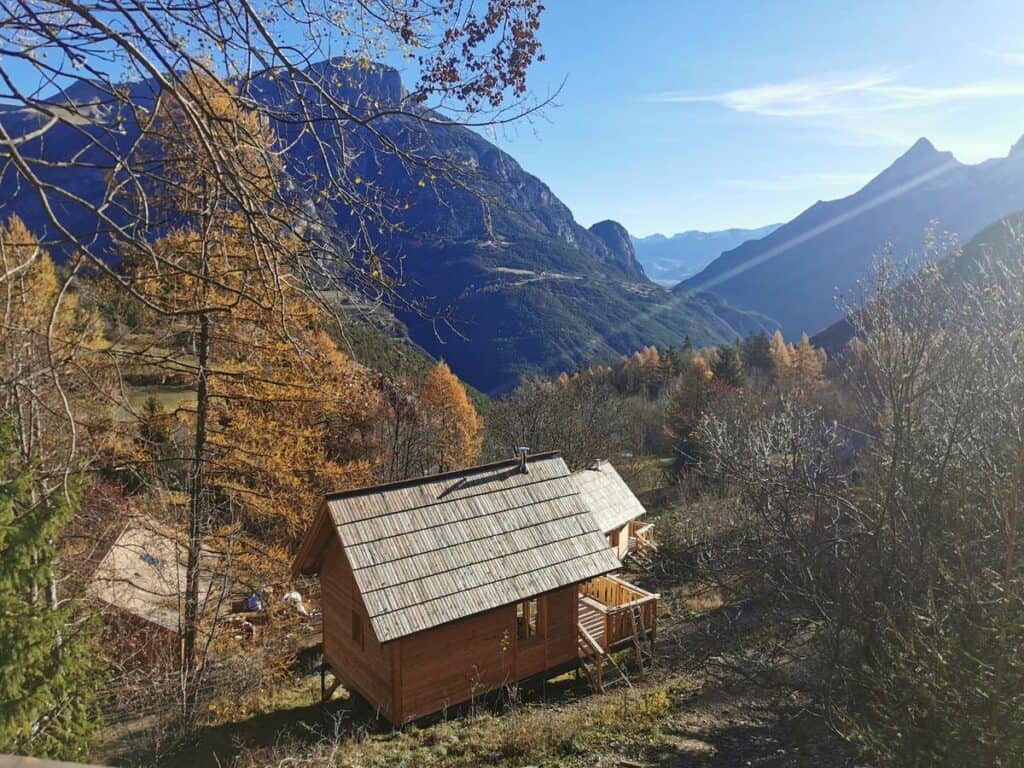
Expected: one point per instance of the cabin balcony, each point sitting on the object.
(614, 614)
(641, 539)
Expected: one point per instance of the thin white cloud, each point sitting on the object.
(1013, 58)
(843, 95)
(799, 182)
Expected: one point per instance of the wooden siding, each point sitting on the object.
(451, 664)
(367, 669)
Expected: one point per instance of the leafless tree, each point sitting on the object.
(897, 547)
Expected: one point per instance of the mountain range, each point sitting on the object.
(669, 260)
(794, 274)
(528, 289)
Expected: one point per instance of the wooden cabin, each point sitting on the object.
(438, 590)
(617, 510)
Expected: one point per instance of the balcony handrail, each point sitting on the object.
(594, 646)
(630, 587)
(642, 597)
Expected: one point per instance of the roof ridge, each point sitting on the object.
(439, 476)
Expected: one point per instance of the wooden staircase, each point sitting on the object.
(601, 669)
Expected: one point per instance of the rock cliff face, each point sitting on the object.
(528, 288)
(618, 242)
(794, 274)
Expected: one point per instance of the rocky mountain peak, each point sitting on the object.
(617, 239)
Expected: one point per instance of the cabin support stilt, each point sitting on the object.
(327, 691)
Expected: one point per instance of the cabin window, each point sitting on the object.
(529, 624)
(357, 631)
(613, 539)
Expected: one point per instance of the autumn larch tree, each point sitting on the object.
(688, 405)
(451, 423)
(782, 359)
(809, 365)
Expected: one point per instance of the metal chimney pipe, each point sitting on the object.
(523, 451)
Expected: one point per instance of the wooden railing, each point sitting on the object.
(616, 600)
(641, 536)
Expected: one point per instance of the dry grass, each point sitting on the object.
(578, 733)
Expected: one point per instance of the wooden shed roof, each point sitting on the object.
(607, 496)
(429, 551)
(143, 573)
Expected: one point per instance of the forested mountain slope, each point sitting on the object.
(990, 248)
(508, 281)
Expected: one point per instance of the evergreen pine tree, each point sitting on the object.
(48, 671)
(671, 363)
(687, 350)
(728, 368)
(757, 352)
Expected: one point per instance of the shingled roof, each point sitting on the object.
(607, 496)
(143, 573)
(429, 551)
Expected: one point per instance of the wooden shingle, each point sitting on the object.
(429, 551)
(607, 496)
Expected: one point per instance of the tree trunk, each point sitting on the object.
(190, 667)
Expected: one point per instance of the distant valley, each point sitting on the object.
(669, 260)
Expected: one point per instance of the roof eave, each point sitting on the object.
(308, 559)
(382, 641)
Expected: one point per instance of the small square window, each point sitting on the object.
(357, 631)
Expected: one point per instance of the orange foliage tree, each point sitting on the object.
(275, 406)
(798, 369)
(452, 427)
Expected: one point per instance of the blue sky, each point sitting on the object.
(706, 115)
